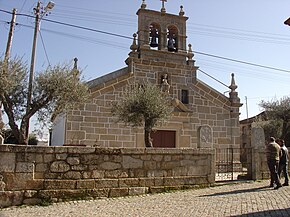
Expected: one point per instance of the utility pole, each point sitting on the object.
(31, 72)
(7, 55)
(10, 36)
(39, 13)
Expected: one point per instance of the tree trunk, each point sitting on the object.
(147, 136)
(148, 142)
(18, 133)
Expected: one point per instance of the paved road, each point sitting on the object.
(243, 199)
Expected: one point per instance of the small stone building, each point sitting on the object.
(202, 116)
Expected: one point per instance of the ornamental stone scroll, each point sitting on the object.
(204, 137)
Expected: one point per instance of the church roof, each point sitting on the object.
(105, 78)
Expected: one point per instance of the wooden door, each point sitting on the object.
(163, 139)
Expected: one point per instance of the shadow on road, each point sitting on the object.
(275, 212)
(264, 188)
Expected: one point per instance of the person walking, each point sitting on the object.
(273, 153)
(283, 163)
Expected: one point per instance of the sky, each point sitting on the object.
(243, 30)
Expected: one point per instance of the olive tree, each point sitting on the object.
(278, 113)
(142, 105)
(55, 90)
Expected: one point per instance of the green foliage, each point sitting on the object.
(9, 138)
(55, 90)
(142, 105)
(271, 128)
(278, 113)
(32, 140)
(13, 82)
(61, 88)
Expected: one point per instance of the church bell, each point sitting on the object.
(154, 35)
(170, 45)
(153, 42)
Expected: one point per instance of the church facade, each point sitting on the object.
(201, 117)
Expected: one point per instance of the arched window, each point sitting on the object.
(154, 35)
(172, 39)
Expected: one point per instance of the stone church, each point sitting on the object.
(201, 117)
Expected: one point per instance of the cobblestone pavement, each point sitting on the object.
(243, 199)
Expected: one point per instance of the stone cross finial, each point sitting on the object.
(181, 12)
(134, 46)
(75, 63)
(190, 53)
(163, 10)
(143, 5)
(233, 85)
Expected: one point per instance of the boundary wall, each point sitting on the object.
(31, 175)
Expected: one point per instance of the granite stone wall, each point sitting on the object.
(29, 174)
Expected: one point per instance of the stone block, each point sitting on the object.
(59, 184)
(150, 165)
(7, 162)
(157, 158)
(48, 158)
(179, 171)
(116, 174)
(32, 201)
(106, 183)
(156, 173)
(98, 174)
(110, 166)
(156, 190)
(41, 167)
(79, 167)
(61, 156)
(90, 159)
(138, 190)
(22, 167)
(146, 182)
(72, 175)
(85, 184)
(34, 184)
(131, 163)
(10, 198)
(30, 193)
(59, 166)
(173, 181)
(129, 182)
(119, 192)
(81, 150)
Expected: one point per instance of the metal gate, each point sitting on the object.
(230, 164)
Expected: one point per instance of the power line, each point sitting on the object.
(74, 26)
(213, 78)
(44, 48)
(127, 37)
(242, 62)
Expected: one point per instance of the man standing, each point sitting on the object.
(273, 153)
(283, 163)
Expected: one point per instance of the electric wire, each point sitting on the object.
(42, 41)
(23, 5)
(118, 35)
(213, 78)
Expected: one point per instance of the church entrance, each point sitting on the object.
(163, 139)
